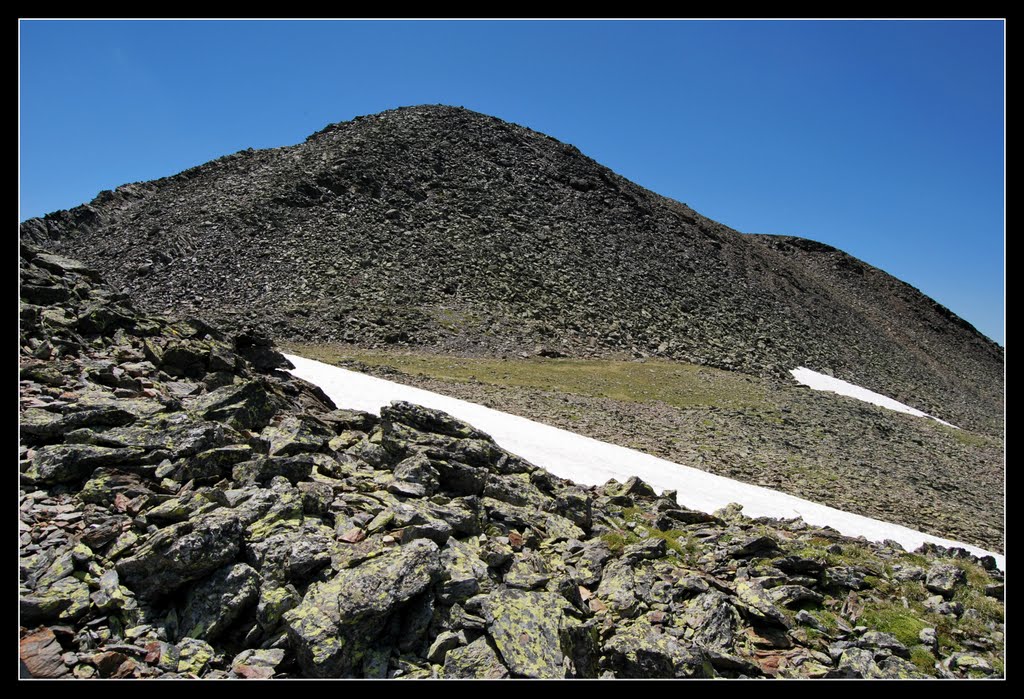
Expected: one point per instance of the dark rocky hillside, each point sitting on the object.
(440, 227)
(188, 509)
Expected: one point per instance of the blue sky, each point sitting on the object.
(882, 138)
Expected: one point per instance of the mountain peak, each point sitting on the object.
(439, 227)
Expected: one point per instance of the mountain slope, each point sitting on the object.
(441, 227)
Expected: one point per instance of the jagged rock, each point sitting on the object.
(40, 655)
(194, 656)
(714, 620)
(427, 420)
(212, 605)
(257, 663)
(884, 641)
(48, 425)
(759, 603)
(528, 631)
(292, 553)
(181, 553)
(247, 405)
(264, 469)
(295, 436)
(478, 660)
(639, 651)
(61, 463)
(943, 578)
(339, 620)
(754, 546)
(66, 599)
(794, 595)
(466, 574)
(445, 641)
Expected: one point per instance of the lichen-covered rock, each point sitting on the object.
(216, 602)
(525, 628)
(181, 553)
(640, 651)
(247, 405)
(257, 663)
(478, 660)
(61, 463)
(943, 578)
(338, 621)
(65, 600)
(295, 435)
(713, 619)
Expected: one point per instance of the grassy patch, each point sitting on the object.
(923, 659)
(893, 619)
(675, 383)
(827, 619)
(977, 577)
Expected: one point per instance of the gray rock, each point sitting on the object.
(637, 651)
(62, 463)
(878, 640)
(445, 641)
(478, 660)
(943, 578)
(525, 628)
(216, 602)
(794, 595)
(339, 620)
(181, 553)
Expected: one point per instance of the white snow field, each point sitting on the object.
(823, 382)
(591, 462)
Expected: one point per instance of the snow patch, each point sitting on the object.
(823, 382)
(591, 462)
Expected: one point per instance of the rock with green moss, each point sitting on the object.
(45, 424)
(175, 434)
(478, 660)
(264, 468)
(641, 651)
(194, 656)
(428, 420)
(794, 595)
(713, 619)
(943, 578)
(257, 663)
(66, 599)
(180, 553)
(618, 588)
(213, 464)
(274, 600)
(213, 604)
(757, 602)
(61, 463)
(293, 553)
(106, 484)
(296, 435)
(464, 573)
(527, 629)
(341, 620)
(246, 405)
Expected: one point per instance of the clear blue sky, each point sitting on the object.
(883, 138)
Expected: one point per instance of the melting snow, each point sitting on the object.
(591, 462)
(823, 382)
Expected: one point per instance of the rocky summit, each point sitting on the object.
(437, 227)
(189, 509)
